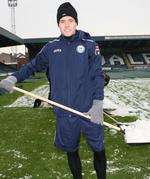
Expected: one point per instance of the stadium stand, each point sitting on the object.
(7, 68)
(9, 39)
(114, 61)
(118, 52)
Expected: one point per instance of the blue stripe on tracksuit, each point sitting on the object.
(76, 78)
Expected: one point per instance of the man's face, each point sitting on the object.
(67, 26)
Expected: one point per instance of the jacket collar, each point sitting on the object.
(70, 39)
(78, 35)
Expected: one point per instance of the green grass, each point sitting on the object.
(26, 147)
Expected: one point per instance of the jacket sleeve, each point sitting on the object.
(97, 76)
(38, 64)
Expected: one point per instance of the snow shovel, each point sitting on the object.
(63, 107)
(136, 132)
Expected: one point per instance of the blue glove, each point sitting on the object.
(96, 112)
(7, 84)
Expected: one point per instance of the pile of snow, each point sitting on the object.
(131, 95)
(27, 101)
(109, 106)
(122, 97)
(117, 109)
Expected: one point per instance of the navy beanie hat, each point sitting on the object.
(66, 9)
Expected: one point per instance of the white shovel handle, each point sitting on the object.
(62, 106)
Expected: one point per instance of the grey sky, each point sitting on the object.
(37, 18)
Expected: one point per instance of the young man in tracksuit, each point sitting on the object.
(77, 81)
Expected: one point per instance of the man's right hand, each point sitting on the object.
(7, 84)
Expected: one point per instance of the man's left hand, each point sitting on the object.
(96, 112)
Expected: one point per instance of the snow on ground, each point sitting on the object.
(5, 74)
(27, 101)
(122, 97)
(132, 94)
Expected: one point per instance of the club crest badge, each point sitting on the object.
(58, 50)
(80, 49)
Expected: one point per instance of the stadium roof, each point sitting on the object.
(106, 42)
(124, 42)
(9, 39)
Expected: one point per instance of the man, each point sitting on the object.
(77, 81)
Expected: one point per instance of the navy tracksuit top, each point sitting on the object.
(74, 69)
